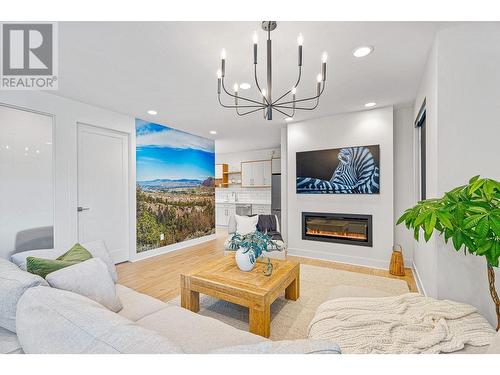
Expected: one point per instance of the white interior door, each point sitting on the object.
(103, 180)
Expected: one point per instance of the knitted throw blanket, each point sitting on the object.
(409, 323)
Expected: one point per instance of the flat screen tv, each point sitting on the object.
(347, 170)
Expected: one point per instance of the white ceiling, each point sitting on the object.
(131, 67)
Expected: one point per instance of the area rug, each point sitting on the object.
(290, 319)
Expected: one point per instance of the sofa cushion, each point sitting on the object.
(13, 283)
(19, 259)
(9, 344)
(56, 321)
(90, 279)
(98, 250)
(195, 333)
(305, 346)
(137, 305)
(246, 224)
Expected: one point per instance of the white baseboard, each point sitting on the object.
(418, 280)
(347, 259)
(170, 248)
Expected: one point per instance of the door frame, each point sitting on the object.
(127, 161)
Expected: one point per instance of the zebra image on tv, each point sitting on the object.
(349, 170)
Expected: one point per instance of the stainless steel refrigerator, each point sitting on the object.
(276, 196)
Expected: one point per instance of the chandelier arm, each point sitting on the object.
(257, 83)
(300, 108)
(248, 112)
(239, 97)
(261, 106)
(289, 91)
(283, 113)
(306, 99)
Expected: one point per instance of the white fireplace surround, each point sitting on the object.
(373, 127)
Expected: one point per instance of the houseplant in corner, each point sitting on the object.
(468, 215)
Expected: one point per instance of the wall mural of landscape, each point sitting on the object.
(175, 186)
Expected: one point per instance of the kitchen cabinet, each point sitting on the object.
(256, 173)
(219, 170)
(223, 212)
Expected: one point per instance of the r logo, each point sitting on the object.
(27, 49)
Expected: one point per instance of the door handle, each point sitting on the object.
(80, 209)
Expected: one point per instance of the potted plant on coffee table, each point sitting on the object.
(469, 215)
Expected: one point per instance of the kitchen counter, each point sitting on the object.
(262, 202)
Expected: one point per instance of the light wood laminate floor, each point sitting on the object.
(159, 276)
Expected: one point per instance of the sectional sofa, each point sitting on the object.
(36, 318)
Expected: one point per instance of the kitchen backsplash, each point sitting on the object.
(244, 194)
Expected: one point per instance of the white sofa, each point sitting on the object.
(39, 319)
(275, 254)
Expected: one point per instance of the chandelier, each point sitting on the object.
(266, 104)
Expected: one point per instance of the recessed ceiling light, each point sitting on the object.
(288, 119)
(245, 86)
(370, 104)
(213, 132)
(363, 51)
(48, 143)
(152, 112)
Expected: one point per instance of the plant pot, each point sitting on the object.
(245, 259)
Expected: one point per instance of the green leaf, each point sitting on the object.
(421, 218)
(402, 218)
(443, 217)
(484, 248)
(483, 227)
(471, 221)
(416, 233)
(430, 223)
(479, 209)
(473, 179)
(495, 224)
(457, 240)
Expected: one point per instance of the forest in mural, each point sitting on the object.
(175, 186)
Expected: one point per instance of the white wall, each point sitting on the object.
(234, 159)
(403, 175)
(469, 136)
(464, 81)
(351, 129)
(424, 254)
(67, 114)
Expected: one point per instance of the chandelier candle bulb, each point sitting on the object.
(255, 40)
(223, 62)
(323, 71)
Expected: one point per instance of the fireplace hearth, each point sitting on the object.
(346, 229)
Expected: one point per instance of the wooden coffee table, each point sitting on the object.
(223, 279)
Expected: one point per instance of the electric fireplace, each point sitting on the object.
(346, 229)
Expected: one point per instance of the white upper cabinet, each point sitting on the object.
(219, 171)
(256, 173)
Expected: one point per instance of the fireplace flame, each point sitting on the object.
(348, 235)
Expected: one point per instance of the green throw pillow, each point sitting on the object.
(42, 267)
(76, 254)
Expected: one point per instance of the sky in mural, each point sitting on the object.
(166, 153)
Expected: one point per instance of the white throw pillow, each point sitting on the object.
(90, 279)
(246, 224)
(98, 250)
(19, 259)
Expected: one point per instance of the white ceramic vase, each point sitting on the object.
(245, 261)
